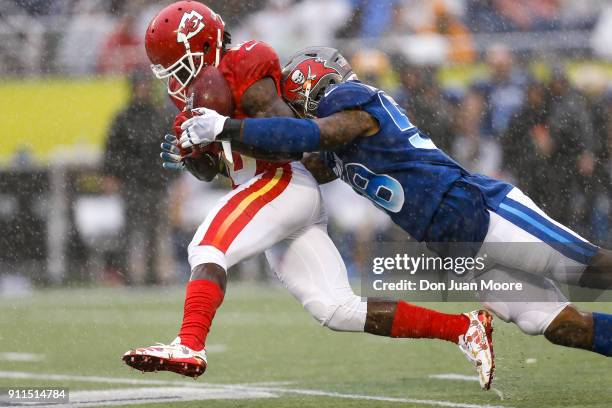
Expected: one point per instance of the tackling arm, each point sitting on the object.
(260, 101)
(317, 167)
(301, 135)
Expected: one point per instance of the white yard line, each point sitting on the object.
(151, 395)
(17, 375)
(216, 348)
(317, 393)
(22, 357)
(269, 383)
(236, 387)
(450, 376)
(461, 377)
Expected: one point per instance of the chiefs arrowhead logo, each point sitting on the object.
(191, 24)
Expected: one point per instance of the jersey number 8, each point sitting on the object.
(383, 190)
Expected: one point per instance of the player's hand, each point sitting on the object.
(171, 155)
(202, 129)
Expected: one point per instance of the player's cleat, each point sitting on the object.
(174, 357)
(477, 345)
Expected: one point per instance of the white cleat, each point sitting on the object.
(174, 357)
(477, 345)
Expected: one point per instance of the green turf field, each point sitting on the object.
(265, 351)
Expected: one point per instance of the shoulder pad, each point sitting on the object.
(252, 50)
(246, 64)
(347, 95)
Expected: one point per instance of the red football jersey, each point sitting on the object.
(245, 64)
(242, 66)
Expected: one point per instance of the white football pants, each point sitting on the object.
(281, 212)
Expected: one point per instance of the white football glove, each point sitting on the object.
(202, 129)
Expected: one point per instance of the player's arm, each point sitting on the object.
(281, 134)
(315, 164)
(301, 135)
(342, 127)
(261, 100)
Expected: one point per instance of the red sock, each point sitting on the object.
(202, 300)
(420, 323)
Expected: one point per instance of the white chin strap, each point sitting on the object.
(219, 47)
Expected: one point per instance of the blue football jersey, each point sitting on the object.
(401, 170)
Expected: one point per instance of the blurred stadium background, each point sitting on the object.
(519, 89)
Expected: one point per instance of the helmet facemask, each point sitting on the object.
(310, 102)
(183, 71)
(186, 68)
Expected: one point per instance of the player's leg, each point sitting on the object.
(598, 273)
(472, 331)
(250, 220)
(404, 320)
(549, 313)
(542, 246)
(557, 251)
(586, 330)
(310, 266)
(527, 245)
(247, 221)
(572, 328)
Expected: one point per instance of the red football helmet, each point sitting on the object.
(180, 40)
(308, 73)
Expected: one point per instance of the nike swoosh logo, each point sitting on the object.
(330, 90)
(250, 47)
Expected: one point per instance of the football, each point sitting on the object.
(203, 166)
(203, 161)
(210, 90)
